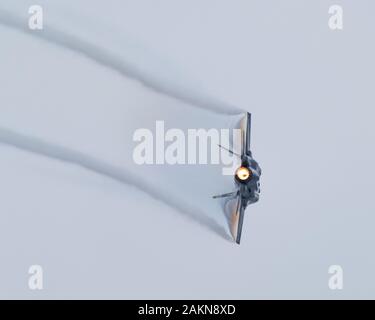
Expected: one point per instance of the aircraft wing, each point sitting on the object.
(236, 218)
(246, 133)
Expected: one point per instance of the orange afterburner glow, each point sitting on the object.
(243, 173)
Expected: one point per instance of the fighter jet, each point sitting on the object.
(246, 181)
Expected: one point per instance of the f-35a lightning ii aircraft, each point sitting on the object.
(246, 179)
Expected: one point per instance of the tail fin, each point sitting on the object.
(230, 151)
(225, 195)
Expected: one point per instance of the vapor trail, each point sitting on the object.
(38, 146)
(104, 57)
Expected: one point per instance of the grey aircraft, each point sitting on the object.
(246, 180)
